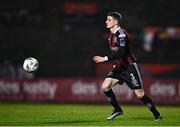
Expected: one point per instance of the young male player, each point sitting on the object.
(125, 67)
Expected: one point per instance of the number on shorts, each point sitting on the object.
(132, 76)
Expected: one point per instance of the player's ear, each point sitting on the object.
(116, 22)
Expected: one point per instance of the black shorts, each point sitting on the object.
(131, 76)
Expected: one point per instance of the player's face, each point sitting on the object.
(110, 22)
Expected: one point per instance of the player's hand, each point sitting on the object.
(99, 59)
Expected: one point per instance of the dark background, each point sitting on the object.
(64, 39)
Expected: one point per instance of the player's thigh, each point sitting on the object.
(109, 83)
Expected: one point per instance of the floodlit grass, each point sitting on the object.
(25, 114)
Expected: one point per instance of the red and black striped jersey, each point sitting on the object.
(119, 45)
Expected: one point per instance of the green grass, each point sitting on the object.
(83, 115)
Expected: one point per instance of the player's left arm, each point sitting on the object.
(122, 42)
(100, 59)
(119, 54)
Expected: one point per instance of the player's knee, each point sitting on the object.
(139, 93)
(106, 87)
(106, 84)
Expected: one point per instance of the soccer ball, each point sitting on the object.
(30, 64)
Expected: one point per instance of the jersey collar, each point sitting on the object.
(116, 30)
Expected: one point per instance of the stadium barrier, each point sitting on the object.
(84, 90)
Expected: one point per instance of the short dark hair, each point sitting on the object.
(116, 15)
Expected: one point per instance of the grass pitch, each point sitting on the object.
(83, 115)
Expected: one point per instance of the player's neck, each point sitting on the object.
(114, 29)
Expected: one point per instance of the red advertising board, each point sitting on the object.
(84, 90)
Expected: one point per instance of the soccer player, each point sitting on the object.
(125, 68)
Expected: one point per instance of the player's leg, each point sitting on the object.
(107, 89)
(148, 102)
(134, 81)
